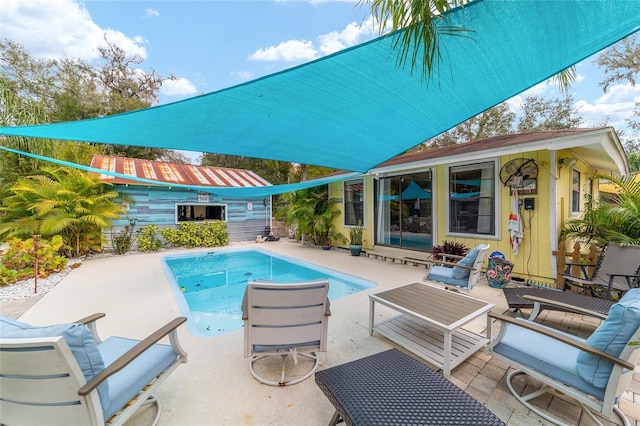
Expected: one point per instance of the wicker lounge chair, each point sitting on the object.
(66, 375)
(285, 320)
(463, 274)
(617, 268)
(593, 372)
(537, 299)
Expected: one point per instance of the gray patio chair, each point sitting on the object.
(593, 372)
(66, 375)
(463, 274)
(617, 268)
(285, 320)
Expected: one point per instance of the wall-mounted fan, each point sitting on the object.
(519, 173)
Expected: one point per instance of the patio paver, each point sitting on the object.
(215, 386)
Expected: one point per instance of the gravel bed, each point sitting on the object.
(25, 288)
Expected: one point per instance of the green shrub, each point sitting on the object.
(207, 234)
(148, 239)
(123, 240)
(18, 260)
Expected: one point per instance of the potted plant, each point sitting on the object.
(355, 239)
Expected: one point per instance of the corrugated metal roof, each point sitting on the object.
(184, 174)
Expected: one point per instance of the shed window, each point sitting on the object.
(200, 212)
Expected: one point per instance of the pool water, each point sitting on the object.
(210, 285)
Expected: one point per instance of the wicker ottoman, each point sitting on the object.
(393, 388)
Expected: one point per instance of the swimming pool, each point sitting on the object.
(209, 286)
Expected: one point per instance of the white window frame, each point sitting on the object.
(344, 201)
(575, 204)
(177, 205)
(496, 197)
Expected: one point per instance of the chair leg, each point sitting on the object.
(335, 419)
(283, 381)
(116, 420)
(524, 400)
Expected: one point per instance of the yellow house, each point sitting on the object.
(464, 193)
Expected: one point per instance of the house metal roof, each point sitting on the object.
(183, 174)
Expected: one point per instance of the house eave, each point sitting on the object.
(599, 148)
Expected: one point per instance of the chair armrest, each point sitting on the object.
(91, 318)
(443, 262)
(90, 322)
(537, 328)
(579, 264)
(542, 301)
(627, 276)
(446, 256)
(576, 279)
(133, 353)
(430, 261)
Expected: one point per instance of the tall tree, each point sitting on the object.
(72, 89)
(16, 110)
(492, 122)
(621, 64)
(546, 114)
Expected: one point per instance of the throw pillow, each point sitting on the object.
(78, 337)
(611, 337)
(461, 273)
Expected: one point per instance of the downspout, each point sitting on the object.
(553, 214)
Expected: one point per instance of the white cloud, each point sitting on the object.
(580, 77)
(614, 106)
(243, 75)
(54, 28)
(305, 50)
(180, 86)
(290, 51)
(350, 36)
(327, 1)
(150, 13)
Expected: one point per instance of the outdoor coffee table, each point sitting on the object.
(430, 323)
(392, 388)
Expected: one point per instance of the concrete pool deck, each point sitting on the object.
(215, 386)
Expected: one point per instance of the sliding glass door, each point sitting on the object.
(404, 211)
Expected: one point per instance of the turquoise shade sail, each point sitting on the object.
(228, 191)
(356, 108)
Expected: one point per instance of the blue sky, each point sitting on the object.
(210, 45)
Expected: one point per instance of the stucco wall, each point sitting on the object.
(535, 261)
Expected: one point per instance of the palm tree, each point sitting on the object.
(310, 212)
(60, 201)
(616, 221)
(420, 42)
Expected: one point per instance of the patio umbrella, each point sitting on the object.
(514, 225)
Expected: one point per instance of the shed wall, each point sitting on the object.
(157, 205)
